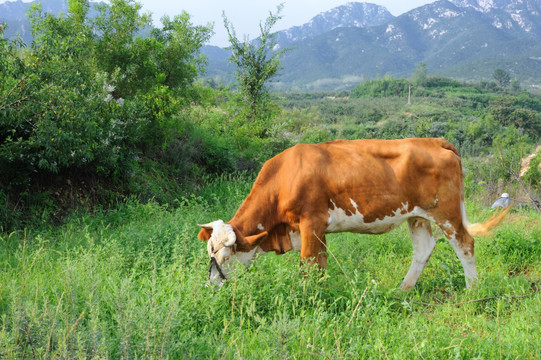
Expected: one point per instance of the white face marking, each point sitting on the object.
(340, 221)
(221, 233)
(225, 256)
(260, 227)
(295, 237)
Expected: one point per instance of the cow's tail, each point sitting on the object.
(483, 229)
(477, 229)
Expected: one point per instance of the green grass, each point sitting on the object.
(130, 283)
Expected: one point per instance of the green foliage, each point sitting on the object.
(90, 97)
(502, 77)
(167, 57)
(520, 252)
(533, 174)
(385, 87)
(57, 112)
(471, 116)
(256, 63)
(248, 143)
(419, 78)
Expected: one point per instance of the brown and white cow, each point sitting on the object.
(360, 186)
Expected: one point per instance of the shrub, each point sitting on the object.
(89, 97)
(533, 174)
(387, 86)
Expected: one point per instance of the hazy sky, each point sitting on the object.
(245, 15)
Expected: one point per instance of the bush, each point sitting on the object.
(382, 88)
(90, 97)
(533, 174)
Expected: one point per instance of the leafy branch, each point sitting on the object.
(257, 61)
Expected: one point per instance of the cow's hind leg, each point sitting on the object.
(462, 242)
(423, 245)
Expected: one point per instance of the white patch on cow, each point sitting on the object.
(467, 261)
(447, 225)
(340, 221)
(222, 232)
(330, 219)
(354, 204)
(463, 213)
(260, 227)
(295, 238)
(245, 258)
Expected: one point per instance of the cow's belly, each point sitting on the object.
(340, 221)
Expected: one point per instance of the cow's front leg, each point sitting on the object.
(313, 245)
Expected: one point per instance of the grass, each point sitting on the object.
(130, 283)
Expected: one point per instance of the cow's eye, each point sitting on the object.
(227, 258)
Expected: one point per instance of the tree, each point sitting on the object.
(418, 78)
(89, 95)
(502, 77)
(515, 85)
(257, 62)
(165, 57)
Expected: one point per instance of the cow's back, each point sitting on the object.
(373, 177)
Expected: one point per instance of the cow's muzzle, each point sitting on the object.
(214, 262)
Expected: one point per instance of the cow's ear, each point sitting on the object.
(204, 234)
(254, 240)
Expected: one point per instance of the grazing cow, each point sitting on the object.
(361, 186)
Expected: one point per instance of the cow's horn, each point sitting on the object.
(230, 240)
(206, 226)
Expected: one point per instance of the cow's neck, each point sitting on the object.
(256, 214)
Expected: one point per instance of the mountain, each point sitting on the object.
(465, 39)
(13, 13)
(352, 14)
(519, 17)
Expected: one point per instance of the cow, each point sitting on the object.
(361, 186)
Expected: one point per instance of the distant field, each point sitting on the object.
(130, 283)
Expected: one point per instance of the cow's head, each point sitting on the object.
(227, 246)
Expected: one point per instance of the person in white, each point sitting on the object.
(503, 201)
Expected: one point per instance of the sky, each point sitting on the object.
(246, 15)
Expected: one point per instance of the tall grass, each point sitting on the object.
(130, 283)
